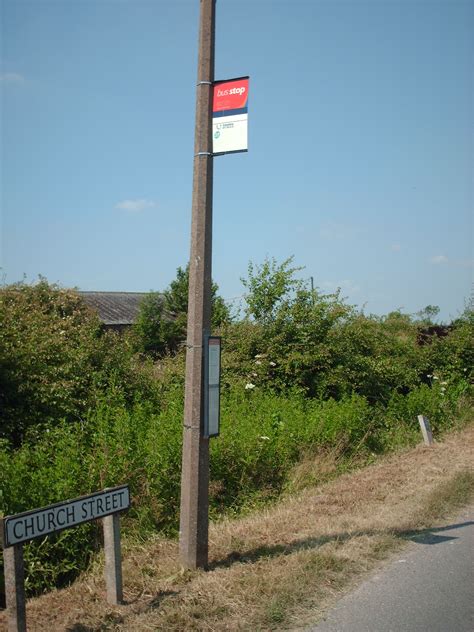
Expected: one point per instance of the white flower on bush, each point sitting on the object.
(265, 438)
(443, 384)
(249, 386)
(272, 363)
(435, 377)
(258, 362)
(259, 355)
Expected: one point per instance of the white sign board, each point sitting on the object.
(212, 386)
(230, 116)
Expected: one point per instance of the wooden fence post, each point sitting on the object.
(113, 559)
(15, 588)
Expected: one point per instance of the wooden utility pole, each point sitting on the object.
(194, 516)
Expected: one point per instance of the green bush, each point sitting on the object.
(56, 360)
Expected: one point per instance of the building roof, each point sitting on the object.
(114, 308)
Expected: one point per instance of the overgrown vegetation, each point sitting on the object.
(281, 567)
(304, 373)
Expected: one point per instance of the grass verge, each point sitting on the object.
(278, 568)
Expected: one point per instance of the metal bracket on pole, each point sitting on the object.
(203, 153)
(205, 83)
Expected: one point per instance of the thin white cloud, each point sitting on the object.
(444, 260)
(12, 77)
(135, 206)
(439, 259)
(346, 285)
(334, 231)
(465, 263)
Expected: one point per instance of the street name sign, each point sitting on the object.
(23, 527)
(70, 513)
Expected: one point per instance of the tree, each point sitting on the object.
(268, 286)
(176, 299)
(161, 324)
(156, 330)
(293, 324)
(428, 314)
(176, 296)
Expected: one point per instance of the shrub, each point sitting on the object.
(56, 360)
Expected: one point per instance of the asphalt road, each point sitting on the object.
(429, 587)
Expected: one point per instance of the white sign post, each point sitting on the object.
(15, 588)
(425, 429)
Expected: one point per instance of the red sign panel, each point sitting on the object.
(230, 95)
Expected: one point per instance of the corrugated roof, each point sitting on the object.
(114, 308)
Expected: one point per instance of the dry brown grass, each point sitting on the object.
(279, 568)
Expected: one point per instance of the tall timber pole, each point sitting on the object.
(194, 515)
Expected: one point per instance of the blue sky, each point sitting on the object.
(360, 159)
